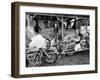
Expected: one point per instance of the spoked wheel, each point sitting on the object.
(34, 59)
(51, 58)
(38, 60)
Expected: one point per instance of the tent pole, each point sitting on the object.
(62, 28)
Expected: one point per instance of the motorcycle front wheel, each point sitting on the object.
(51, 59)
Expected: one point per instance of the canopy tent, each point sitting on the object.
(62, 21)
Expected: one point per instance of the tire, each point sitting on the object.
(53, 58)
(38, 60)
(34, 59)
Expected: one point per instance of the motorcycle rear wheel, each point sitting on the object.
(35, 61)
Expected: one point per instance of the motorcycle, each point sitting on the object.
(37, 58)
(72, 47)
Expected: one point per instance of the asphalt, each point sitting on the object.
(79, 58)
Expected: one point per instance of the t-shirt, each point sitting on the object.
(37, 42)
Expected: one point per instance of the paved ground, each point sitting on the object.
(76, 59)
